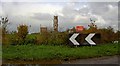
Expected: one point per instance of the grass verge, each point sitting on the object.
(45, 52)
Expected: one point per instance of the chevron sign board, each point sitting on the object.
(78, 39)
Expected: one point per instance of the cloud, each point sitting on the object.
(60, 0)
(69, 14)
(28, 9)
(79, 17)
(106, 13)
(42, 16)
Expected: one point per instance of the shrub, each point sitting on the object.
(30, 40)
(22, 33)
(53, 38)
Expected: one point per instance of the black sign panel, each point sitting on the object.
(84, 39)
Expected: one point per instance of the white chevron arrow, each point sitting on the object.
(88, 39)
(72, 39)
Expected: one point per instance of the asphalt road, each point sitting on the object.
(100, 60)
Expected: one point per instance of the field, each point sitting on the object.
(46, 52)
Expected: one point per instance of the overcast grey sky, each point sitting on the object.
(69, 13)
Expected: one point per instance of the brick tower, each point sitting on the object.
(55, 25)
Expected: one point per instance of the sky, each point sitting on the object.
(70, 13)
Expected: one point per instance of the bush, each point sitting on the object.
(14, 40)
(53, 38)
(42, 38)
(22, 33)
(30, 40)
(21, 37)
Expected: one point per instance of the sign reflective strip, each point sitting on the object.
(72, 39)
(88, 39)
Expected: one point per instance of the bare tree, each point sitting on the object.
(4, 23)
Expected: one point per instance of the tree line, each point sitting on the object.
(21, 36)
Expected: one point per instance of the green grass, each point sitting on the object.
(45, 52)
(0, 46)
